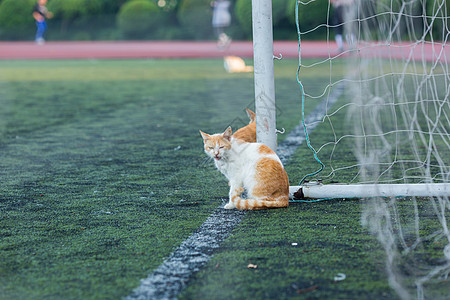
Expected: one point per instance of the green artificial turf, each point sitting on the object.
(103, 175)
(298, 253)
(102, 170)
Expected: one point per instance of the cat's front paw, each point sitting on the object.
(229, 205)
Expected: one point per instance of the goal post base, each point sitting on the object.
(317, 190)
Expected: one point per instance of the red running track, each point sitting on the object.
(208, 49)
(152, 49)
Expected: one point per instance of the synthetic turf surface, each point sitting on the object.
(103, 176)
(102, 169)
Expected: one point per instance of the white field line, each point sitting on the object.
(172, 276)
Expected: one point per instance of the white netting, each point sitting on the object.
(391, 126)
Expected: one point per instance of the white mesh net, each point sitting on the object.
(392, 126)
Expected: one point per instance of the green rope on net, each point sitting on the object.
(322, 166)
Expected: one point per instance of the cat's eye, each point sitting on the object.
(221, 147)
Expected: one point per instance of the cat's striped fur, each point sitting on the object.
(250, 167)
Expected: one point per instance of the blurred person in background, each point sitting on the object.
(220, 20)
(40, 13)
(342, 16)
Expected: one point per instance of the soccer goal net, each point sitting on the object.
(387, 135)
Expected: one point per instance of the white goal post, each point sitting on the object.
(264, 73)
(317, 190)
(387, 138)
(265, 93)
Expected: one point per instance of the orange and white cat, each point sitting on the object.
(250, 167)
(248, 132)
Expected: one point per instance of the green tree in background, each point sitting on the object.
(243, 12)
(440, 9)
(195, 18)
(67, 11)
(310, 15)
(191, 19)
(138, 18)
(111, 6)
(16, 20)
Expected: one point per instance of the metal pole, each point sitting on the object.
(335, 191)
(264, 74)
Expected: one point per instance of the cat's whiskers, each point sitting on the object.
(206, 161)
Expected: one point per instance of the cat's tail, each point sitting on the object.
(253, 204)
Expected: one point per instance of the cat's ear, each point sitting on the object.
(204, 135)
(227, 134)
(251, 115)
